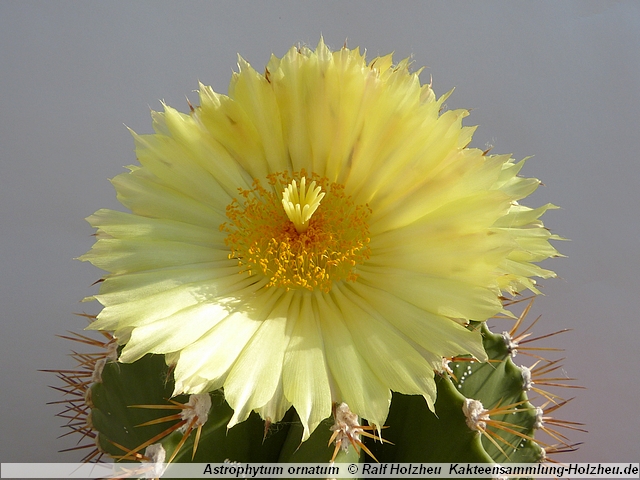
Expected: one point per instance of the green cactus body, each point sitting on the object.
(131, 409)
(120, 407)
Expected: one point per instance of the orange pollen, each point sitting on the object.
(266, 239)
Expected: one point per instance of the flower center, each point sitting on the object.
(300, 205)
(283, 233)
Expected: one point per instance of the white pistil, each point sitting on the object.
(300, 204)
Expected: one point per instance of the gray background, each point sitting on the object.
(558, 80)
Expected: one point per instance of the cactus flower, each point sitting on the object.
(321, 235)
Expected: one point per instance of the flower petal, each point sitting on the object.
(305, 376)
(251, 384)
(436, 334)
(355, 383)
(161, 337)
(387, 351)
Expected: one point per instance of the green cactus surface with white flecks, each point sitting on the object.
(483, 414)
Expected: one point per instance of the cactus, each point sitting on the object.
(484, 413)
(244, 279)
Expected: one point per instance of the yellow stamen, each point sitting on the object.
(300, 245)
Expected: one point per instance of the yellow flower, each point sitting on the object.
(320, 235)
